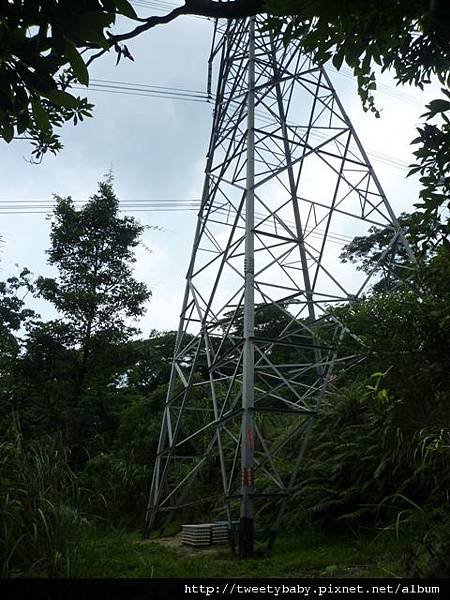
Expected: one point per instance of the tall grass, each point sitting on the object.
(376, 461)
(39, 506)
(366, 447)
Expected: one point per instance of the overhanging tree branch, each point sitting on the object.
(236, 9)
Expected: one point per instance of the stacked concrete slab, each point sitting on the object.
(205, 534)
(197, 535)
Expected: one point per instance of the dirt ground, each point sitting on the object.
(174, 542)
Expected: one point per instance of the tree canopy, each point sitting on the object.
(81, 401)
(93, 250)
(66, 369)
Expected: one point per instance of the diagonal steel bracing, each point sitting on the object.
(287, 181)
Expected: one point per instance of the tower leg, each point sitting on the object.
(246, 536)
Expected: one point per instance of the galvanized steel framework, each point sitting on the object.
(286, 181)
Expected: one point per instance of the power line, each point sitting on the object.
(162, 201)
(382, 87)
(148, 86)
(163, 7)
(49, 211)
(38, 206)
(130, 91)
(343, 72)
(155, 4)
(188, 94)
(137, 201)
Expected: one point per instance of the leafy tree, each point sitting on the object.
(42, 381)
(152, 364)
(93, 250)
(13, 316)
(408, 37)
(369, 252)
(433, 165)
(406, 330)
(86, 352)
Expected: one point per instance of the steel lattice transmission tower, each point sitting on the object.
(257, 350)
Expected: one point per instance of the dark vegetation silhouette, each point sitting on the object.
(81, 395)
(81, 399)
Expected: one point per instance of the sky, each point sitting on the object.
(156, 149)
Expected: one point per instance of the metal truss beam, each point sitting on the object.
(258, 347)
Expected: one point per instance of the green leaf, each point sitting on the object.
(23, 122)
(40, 114)
(76, 62)
(7, 132)
(98, 38)
(377, 374)
(414, 170)
(437, 106)
(93, 20)
(338, 59)
(61, 98)
(125, 9)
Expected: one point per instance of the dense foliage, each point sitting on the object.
(81, 395)
(40, 58)
(81, 399)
